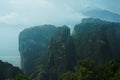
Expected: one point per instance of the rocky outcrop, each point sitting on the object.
(8, 71)
(33, 47)
(97, 40)
(51, 51)
(61, 51)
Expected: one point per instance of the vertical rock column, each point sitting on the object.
(60, 53)
(33, 47)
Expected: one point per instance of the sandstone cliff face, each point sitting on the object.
(8, 71)
(33, 45)
(97, 40)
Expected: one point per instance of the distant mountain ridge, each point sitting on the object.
(102, 14)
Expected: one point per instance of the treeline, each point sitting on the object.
(87, 70)
(20, 77)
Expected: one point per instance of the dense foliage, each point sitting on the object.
(86, 70)
(19, 77)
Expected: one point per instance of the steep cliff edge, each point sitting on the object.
(8, 71)
(33, 47)
(48, 52)
(96, 39)
(61, 54)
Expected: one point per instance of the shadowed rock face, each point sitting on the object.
(60, 53)
(54, 51)
(33, 46)
(97, 40)
(8, 71)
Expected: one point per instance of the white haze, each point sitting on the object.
(18, 13)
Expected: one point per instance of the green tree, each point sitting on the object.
(19, 77)
(84, 71)
(109, 70)
(69, 76)
(116, 76)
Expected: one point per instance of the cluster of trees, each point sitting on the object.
(20, 77)
(87, 70)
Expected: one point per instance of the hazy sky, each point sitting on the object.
(39, 12)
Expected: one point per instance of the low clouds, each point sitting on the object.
(38, 12)
(9, 44)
